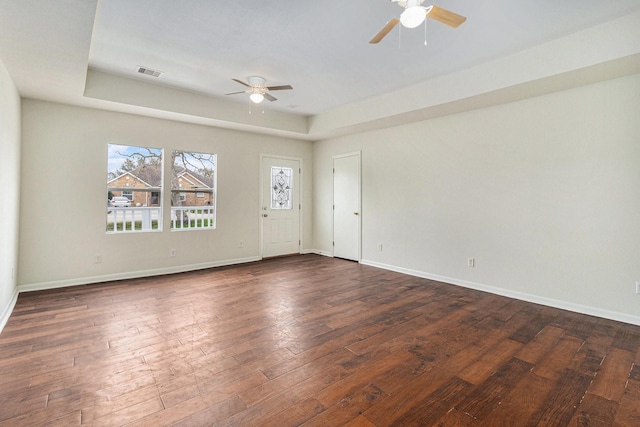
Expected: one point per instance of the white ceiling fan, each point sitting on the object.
(415, 14)
(257, 90)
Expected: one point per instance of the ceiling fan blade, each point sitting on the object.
(241, 82)
(446, 17)
(269, 97)
(384, 31)
(235, 93)
(283, 87)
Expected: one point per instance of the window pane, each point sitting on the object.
(134, 185)
(281, 187)
(193, 190)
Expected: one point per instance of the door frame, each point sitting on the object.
(262, 195)
(358, 154)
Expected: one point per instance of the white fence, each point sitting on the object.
(134, 219)
(192, 217)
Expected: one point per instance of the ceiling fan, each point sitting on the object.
(415, 14)
(257, 90)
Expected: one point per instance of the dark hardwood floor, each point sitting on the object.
(312, 341)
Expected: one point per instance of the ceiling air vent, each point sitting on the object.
(149, 71)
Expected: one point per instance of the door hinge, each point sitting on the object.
(333, 243)
(299, 243)
(334, 207)
(334, 170)
(299, 170)
(299, 206)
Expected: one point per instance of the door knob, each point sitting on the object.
(355, 213)
(265, 215)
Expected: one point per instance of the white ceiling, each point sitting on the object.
(319, 47)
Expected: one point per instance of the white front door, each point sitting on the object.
(346, 206)
(280, 212)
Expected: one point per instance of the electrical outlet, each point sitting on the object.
(471, 262)
(172, 253)
(97, 259)
(380, 247)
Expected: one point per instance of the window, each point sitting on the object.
(281, 187)
(193, 190)
(134, 186)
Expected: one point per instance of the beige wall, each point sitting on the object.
(9, 192)
(60, 235)
(543, 193)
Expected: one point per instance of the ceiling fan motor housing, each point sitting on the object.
(409, 3)
(256, 81)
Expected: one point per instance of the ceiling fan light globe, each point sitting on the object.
(256, 97)
(413, 16)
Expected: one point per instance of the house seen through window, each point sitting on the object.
(134, 187)
(193, 190)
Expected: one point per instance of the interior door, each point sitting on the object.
(280, 212)
(346, 206)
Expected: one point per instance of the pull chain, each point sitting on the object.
(425, 31)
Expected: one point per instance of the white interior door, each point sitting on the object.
(280, 212)
(346, 207)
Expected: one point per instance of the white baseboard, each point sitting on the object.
(317, 252)
(536, 299)
(130, 275)
(564, 305)
(6, 312)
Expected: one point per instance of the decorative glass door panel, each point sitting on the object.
(281, 187)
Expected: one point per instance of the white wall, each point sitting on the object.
(9, 192)
(543, 193)
(64, 197)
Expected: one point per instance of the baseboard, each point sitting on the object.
(323, 253)
(317, 252)
(130, 275)
(536, 299)
(6, 312)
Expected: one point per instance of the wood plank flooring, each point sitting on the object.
(310, 341)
